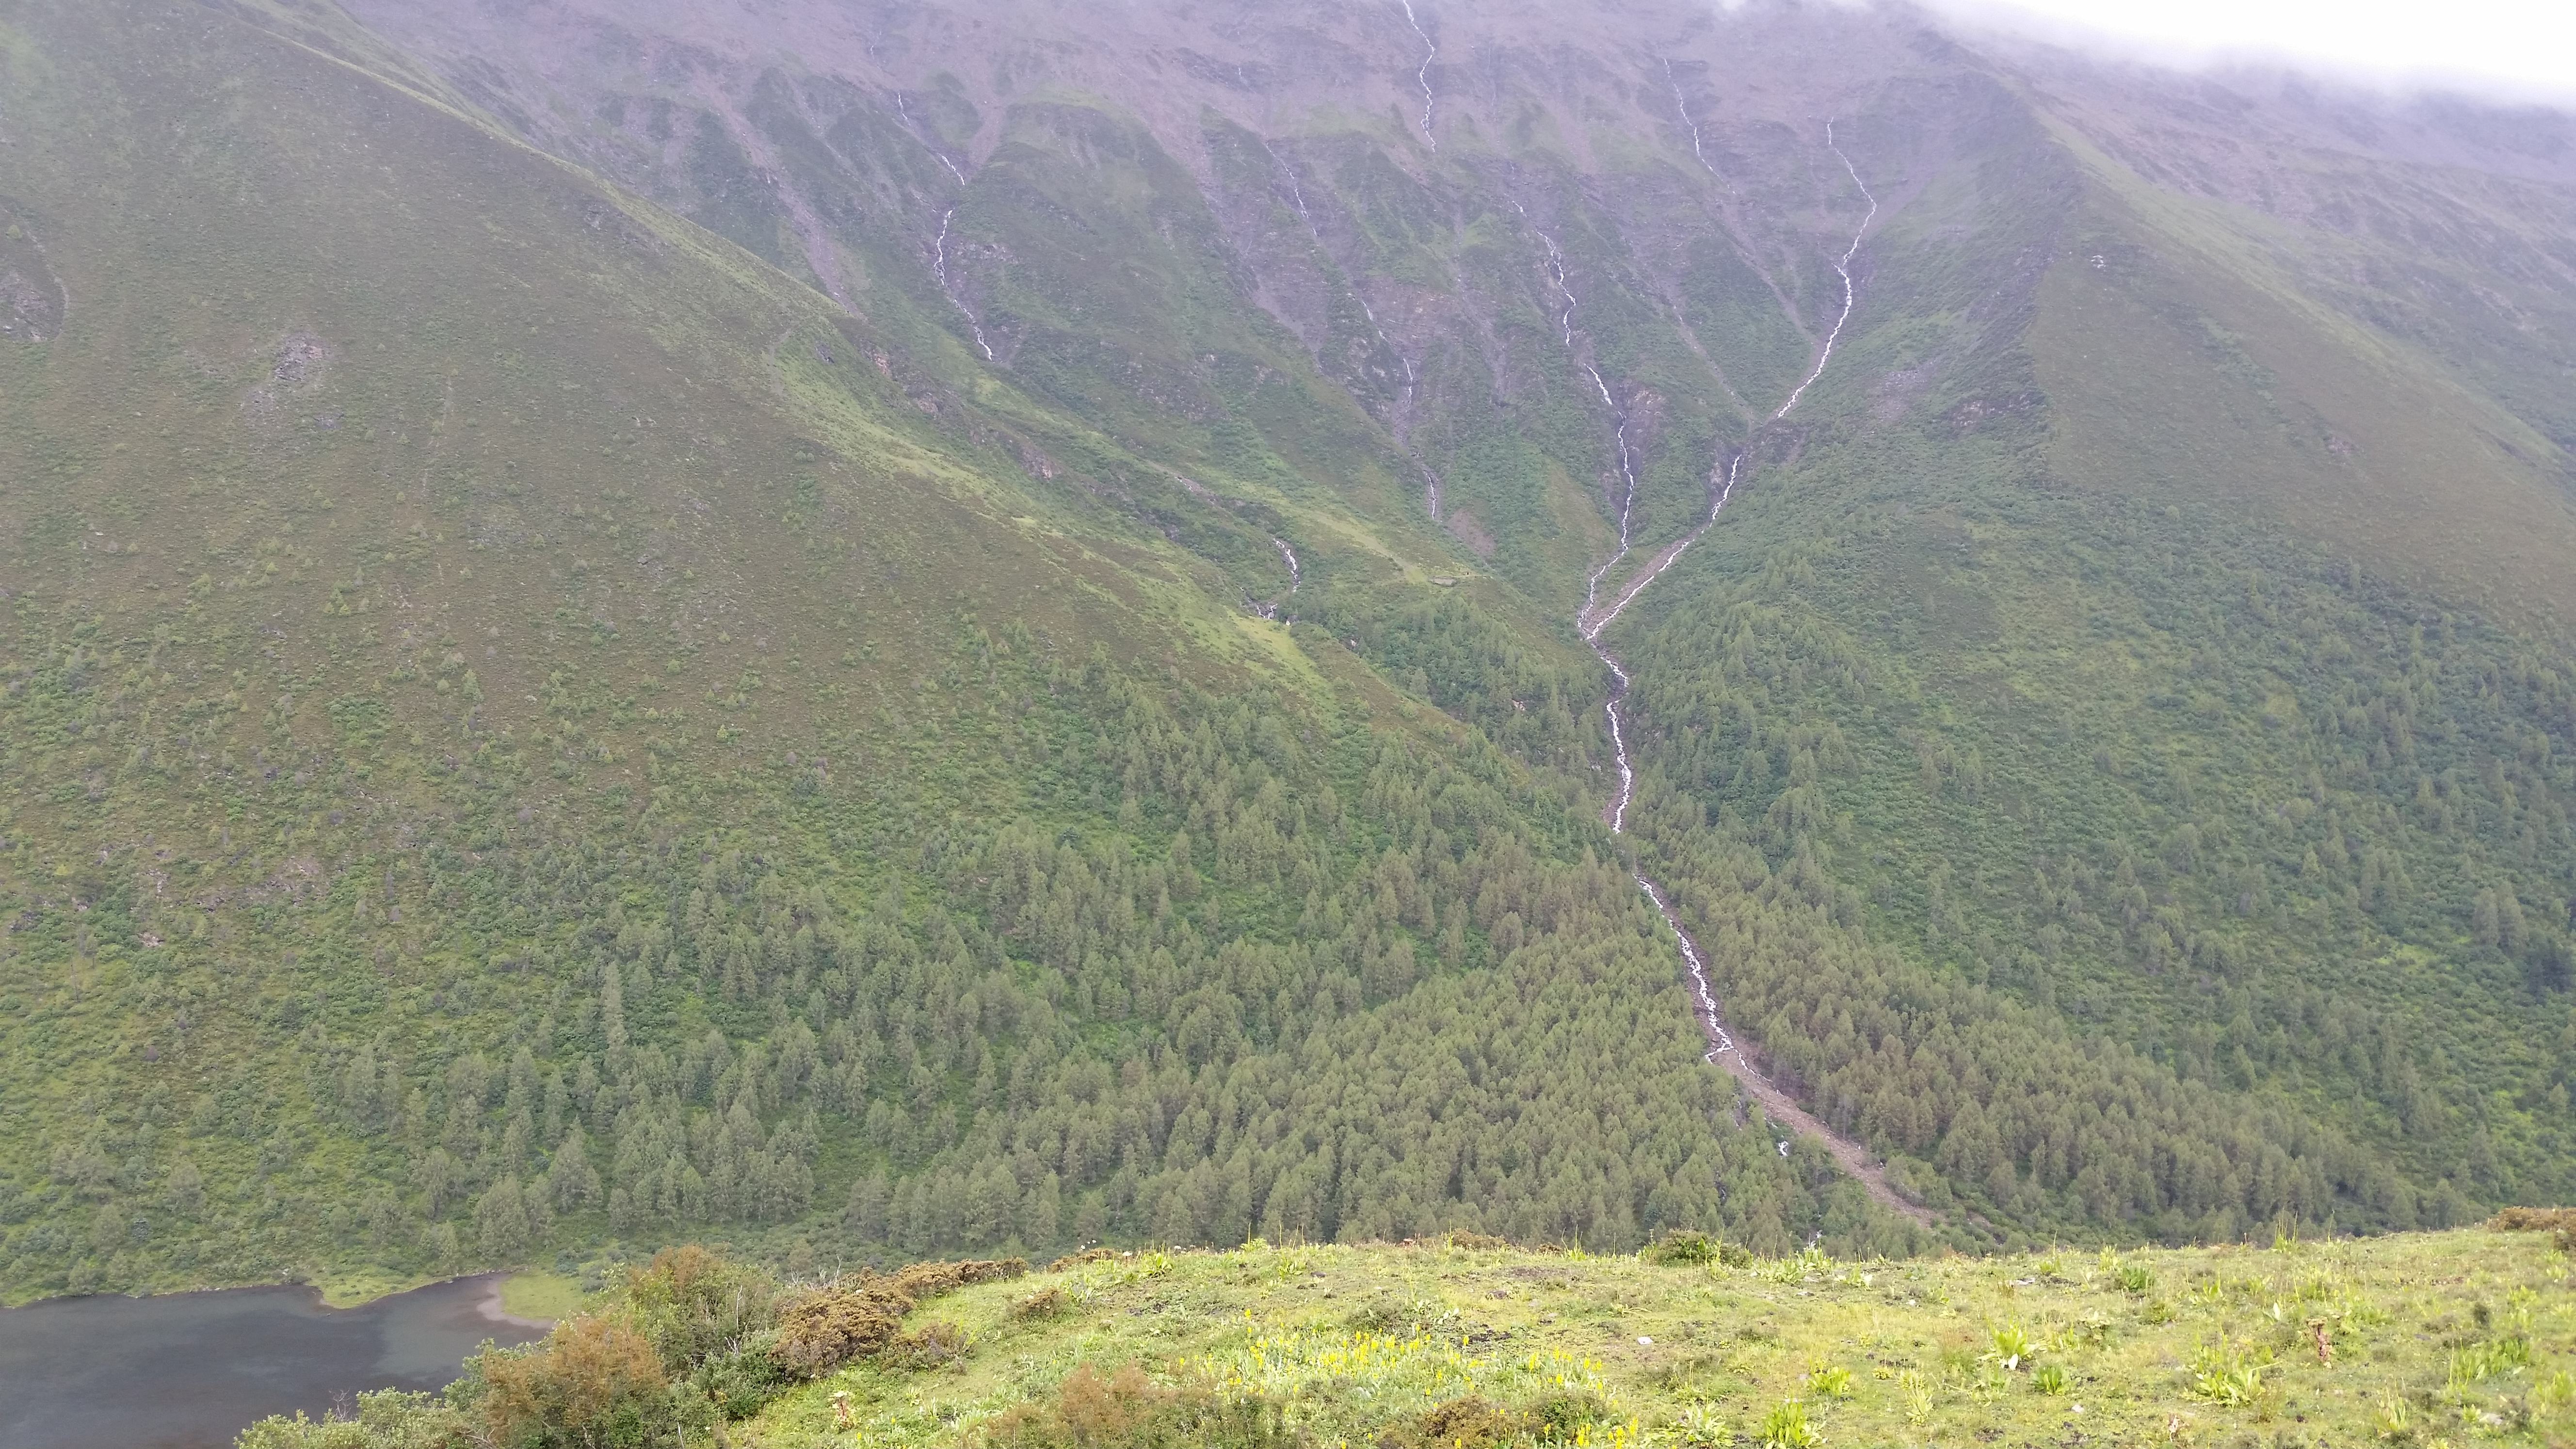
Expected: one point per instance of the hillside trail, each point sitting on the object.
(1597, 615)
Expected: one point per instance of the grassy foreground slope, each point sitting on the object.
(2418, 1339)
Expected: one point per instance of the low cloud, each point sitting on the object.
(2513, 51)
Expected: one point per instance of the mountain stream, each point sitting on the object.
(1597, 615)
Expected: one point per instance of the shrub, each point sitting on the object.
(386, 1419)
(1049, 1302)
(2558, 1222)
(937, 1344)
(595, 1380)
(1685, 1248)
(1562, 1418)
(929, 1280)
(829, 1326)
(1468, 1423)
(695, 1305)
(2533, 1220)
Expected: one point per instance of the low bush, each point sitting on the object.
(1050, 1302)
(595, 1380)
(1696, 1250)
(936, 1345)
(1468, 1423)
(385, 1419)
(831, 1325)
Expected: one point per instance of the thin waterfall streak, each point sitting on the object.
(1725, 491)
(1704, 994)
(1422, 77)
(1692, 125)
(1842, 269)
(1721, 1042)
(1296, 193)
(1297, 198)
(1295, 577)
(901, 110)
(1627, 498)
(939, 268)
(1593, 619)
(1556, 274)
(1618, 436)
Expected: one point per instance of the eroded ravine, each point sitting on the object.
(1597, 615)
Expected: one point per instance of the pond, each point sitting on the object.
(191, 1370)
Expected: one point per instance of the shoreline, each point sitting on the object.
(488, 1304)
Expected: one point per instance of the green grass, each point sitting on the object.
(541, 1295)
(2453, 1337)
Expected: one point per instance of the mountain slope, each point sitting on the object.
(1094, 736)
(525, 726)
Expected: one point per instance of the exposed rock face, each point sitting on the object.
(32, 300)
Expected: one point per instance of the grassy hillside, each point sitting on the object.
(2412, 1339)
(525, 729)
(2100, 794)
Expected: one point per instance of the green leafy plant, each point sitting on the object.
(1703, 1426)
(2555, 1393)
(1917, 1397)
(2050, 1379)
(1786, 1427)
(2496, 1358)
(2012, 1346)
(1831, 1380)
(2223, 1374)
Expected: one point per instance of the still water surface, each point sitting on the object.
(190, 1370)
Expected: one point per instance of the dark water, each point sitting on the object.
(191, 1370)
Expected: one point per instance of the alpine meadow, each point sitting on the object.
(865, 632)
